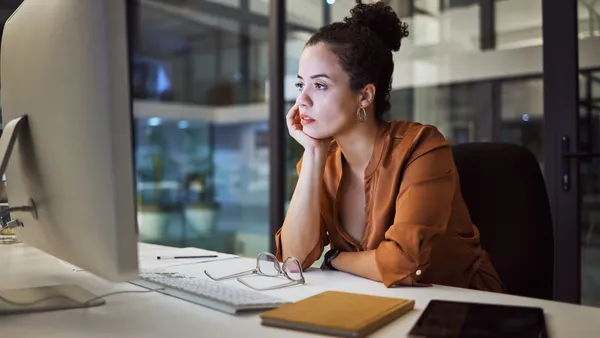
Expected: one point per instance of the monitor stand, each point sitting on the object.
(46, 298)
(43, 298)
(9, 137)
(7, 143)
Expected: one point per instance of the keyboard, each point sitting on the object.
(211, 294)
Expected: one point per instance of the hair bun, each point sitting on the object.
(382, 20)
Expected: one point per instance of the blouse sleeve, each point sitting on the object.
(423, 207)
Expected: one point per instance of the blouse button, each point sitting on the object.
(418, 272)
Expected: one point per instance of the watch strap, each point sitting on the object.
(329, 257)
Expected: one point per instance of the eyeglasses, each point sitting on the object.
(267, 265)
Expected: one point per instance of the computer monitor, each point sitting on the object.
(66, 105)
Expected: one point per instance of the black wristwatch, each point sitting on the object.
(329, 257)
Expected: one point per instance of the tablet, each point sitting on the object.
(442, 319)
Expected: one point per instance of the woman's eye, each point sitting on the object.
(299, 85)
(320, 86)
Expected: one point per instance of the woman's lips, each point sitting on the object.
(306, 120)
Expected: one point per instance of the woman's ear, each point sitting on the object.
(367, 96)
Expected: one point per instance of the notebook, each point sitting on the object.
(341, 314)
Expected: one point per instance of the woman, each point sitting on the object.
(384, 195)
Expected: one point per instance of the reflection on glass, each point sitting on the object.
(522, 109)
(589, 138)
(453, 109)
(199, 78)
(519, 22)
(590, 232)
(589, 171)
(588, 13)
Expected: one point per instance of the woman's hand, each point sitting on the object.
(295, 131)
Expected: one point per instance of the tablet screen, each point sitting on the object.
(461, 319)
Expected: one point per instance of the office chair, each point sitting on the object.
(504, 189)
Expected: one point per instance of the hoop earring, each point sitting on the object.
(361, 114)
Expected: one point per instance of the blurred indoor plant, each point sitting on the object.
(200, 206)
(154, 209)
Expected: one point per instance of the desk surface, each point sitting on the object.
(157, 315)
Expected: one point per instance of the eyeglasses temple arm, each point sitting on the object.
(271, 287)
(239, 274)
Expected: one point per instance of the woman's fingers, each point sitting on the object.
(292, 117)
(295, 130)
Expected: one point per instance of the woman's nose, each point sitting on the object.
(303, 100)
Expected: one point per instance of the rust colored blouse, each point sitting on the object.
(416, 219)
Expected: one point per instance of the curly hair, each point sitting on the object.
(363, 42)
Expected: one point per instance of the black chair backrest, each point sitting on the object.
(504, 189)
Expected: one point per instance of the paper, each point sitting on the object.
(148, 260)
(147, 257)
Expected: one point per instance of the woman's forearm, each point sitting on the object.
(360, 263)
(301, 229)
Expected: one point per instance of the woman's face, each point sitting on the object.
(326, 103)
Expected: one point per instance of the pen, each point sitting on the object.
(185, 257)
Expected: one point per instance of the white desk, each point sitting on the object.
(156, 315)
